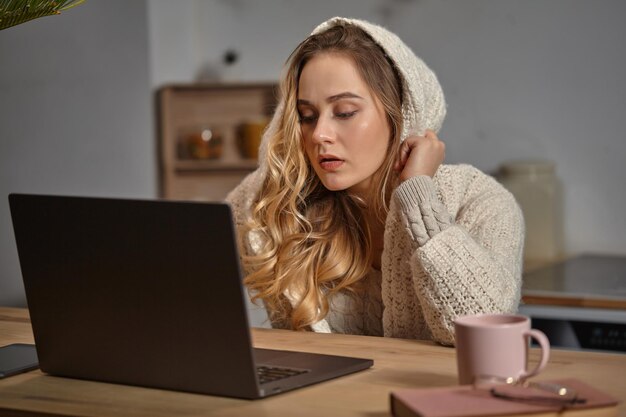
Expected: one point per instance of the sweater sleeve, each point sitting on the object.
(426, 215)
(469, 264)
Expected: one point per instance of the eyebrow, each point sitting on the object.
(334, 98)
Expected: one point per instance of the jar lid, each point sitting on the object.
(528, 167)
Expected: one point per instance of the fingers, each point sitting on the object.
(420, 155)
(407, 146)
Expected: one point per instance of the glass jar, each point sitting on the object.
(539, 193)
(201, 142)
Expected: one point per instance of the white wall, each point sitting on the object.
(523, 79)
(75, 112)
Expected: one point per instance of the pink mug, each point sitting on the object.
(496, 345)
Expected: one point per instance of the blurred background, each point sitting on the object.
(524, 79)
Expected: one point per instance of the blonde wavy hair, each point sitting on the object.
(317, 242)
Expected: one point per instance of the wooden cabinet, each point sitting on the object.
(208, 135)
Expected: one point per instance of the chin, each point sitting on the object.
(334, 185)
(330, 187)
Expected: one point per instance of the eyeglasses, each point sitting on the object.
(520, 389)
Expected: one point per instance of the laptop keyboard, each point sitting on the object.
(273, 373)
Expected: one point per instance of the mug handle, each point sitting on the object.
(540, 337)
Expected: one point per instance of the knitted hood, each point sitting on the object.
(423, 102)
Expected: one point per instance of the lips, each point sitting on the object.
(330, 162)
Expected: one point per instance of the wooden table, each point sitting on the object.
(398, 363)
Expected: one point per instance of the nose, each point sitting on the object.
(323, 132)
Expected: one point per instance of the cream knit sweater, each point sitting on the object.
(453, 243)
(453, 246)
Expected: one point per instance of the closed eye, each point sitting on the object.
(307, 119)
(345, 115)
(341, 116)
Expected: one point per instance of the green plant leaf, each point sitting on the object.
(14, 12)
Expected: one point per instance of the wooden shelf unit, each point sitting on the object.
(221, 107)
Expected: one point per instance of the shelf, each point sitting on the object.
(233, 114)
(216, 165)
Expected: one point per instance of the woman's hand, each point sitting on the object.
(420, 155)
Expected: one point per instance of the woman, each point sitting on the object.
(351, 223)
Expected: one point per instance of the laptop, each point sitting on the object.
(149, 293)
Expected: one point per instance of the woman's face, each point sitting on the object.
(344, 126)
